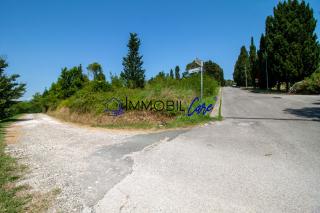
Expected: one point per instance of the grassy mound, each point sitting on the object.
(88, 106)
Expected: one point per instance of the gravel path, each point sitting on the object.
(83, 162)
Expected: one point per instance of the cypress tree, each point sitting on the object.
(133, 73)
(171, 74)
(253, 59)
(241, 73)
(291, 42)
(177, 72)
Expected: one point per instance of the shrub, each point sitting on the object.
(310, 85)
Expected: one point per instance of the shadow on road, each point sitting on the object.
(305, 112)
(6, 122)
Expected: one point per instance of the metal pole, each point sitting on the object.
(201, 69)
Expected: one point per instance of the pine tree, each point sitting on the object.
(133, 73)
(177, 72)
(291, 42)
(241, 70)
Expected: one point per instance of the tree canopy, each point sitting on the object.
(10, 90)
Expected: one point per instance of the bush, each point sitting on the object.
(87, 100)
(310, 85)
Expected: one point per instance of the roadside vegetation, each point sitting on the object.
(10, 171)
(82, 98)
(289, 52)
(310, 85)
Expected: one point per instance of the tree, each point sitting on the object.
(161, 75)
(69, 82)
(133, 73)
(171, 74)
(210, 67)
(253, 60)
(10, 90)
(214, 70)
(291, 42)
(177, 72)
(192, 65)
(96, 69)
(262, 70)
(241, 68)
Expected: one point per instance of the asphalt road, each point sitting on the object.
(263, 157)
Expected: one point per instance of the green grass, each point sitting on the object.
(9, 173)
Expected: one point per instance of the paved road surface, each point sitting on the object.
(264, 157)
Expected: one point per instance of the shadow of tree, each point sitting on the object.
(6, 122)
(306, 112)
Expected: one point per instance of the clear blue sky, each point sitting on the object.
(39, 37)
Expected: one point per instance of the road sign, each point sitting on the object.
(194, 70)
(199, 62)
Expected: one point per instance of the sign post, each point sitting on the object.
(200, 63)
(198, 69)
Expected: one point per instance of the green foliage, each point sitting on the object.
(116, 81)
(262, 63)
(214, 70)
(291, 43)
(241, 74)
(97, 72)
(160, 88)
(9, 173)
(209, 67)
(253, 60)
(229, 83)
(177, 72)
(171, 73)
(310, 85)
(133, 73)
(10, 90)
(70, 81)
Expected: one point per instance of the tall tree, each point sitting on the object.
(171, 73)
(214, 70)
(10, 90)
(177, 72)
(133, 73)
(253, 60)
(96, 69)
(291, 42)
(241, 69)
